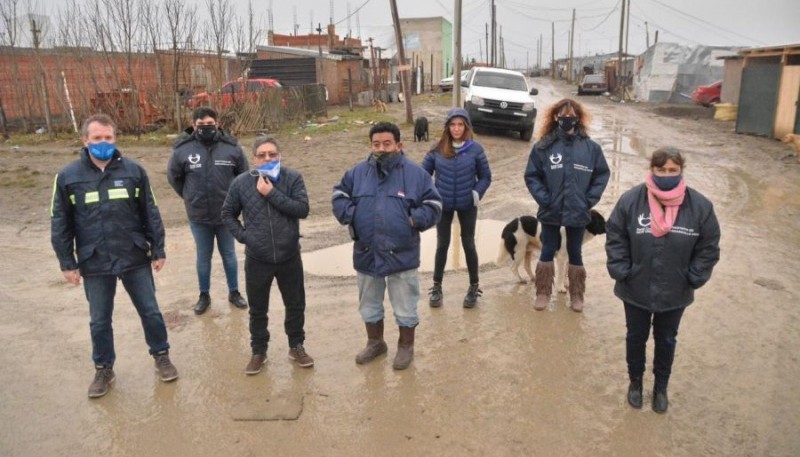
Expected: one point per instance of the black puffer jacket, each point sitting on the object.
(661, 274)
(108, 217)
(566, 175)
(201, 174)
(271, 230)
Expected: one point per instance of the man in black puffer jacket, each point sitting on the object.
(204, 162)
(272, 199)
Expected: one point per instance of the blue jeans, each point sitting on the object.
(551, 242)
(226, 245)
(403, 295)
(100, 291)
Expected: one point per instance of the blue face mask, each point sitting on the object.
(102, 151)
(667, 182)
(271, 170)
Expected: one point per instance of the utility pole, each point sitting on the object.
(401, 60)
(553, 58)
(627, 31)
(457, 69)
(619, 54)
(480, 50)
(487, 41)
(35, 34)
(493, 61)
(647, 34)
(571, 43)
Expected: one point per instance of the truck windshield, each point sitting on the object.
(500, 81)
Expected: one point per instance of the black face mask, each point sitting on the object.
(567, 123)
(206, 133)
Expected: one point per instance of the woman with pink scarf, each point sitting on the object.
(662, 242)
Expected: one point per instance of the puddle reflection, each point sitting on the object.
(338, 260)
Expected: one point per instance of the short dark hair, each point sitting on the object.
(102, 119)
(265, 139)
(661, 155)
(382, 127)
(203, 111)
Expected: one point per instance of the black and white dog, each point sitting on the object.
(421, 128)
(521, 239)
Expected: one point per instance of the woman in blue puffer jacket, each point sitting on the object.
(566, 175)
(462, 175)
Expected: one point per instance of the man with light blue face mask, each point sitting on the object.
(104, 212)
(271, 199)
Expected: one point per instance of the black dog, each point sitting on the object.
(421, 128)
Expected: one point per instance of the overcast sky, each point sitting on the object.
(709, 22)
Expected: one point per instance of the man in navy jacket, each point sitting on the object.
(386, 201)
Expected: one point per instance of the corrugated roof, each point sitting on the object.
(307, 53)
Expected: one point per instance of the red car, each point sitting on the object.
(231, 92)
(707, 95)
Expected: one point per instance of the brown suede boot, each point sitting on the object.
(545, 271)
(405, 348)
(375, 344)
(577, 286)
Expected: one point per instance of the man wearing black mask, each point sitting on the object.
(203, 164)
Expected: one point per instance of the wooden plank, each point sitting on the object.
(787, 101)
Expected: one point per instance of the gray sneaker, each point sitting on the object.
(472, 296)
(436, 295)
(166, 370)
(103, 377)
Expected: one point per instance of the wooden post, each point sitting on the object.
(401, 60)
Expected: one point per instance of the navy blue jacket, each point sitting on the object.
(386, 213)
(661, 274)
(109, 218)
(201, 174)
(458, 176)
(566, 175)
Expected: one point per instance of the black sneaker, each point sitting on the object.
(472, 296)
(103, 377)
(236, 299)
(202, 303)
(436, 295)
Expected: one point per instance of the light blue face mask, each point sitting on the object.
(102, 151)
(271, 170)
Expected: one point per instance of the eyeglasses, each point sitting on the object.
(263, 155)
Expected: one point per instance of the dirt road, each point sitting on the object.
(499, 380)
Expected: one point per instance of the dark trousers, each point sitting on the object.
(665, 332)
(551, 242)
(289, 275)
(468, 219)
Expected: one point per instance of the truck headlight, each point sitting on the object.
(477, 101)
(527, 106)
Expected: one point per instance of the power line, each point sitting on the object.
(704, 22)
(604, 19)
(353, 13)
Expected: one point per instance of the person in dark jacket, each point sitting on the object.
(566, 175)
(272, 199)
(103, 210)
(462, 176)
(203, 164)
(662, 242)
(386, 201)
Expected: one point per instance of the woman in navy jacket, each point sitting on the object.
(566, 175)
(662, 242)
(462, 176)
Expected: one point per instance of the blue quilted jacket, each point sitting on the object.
(458, 176)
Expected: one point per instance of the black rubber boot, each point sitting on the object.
(635, 393)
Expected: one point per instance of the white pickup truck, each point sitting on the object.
(499, 98)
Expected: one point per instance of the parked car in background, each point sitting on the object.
(231, 92)
(499, 98)
(446, 84)
(707, 95)
(593, 84)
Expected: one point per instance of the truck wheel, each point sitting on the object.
(526, 134)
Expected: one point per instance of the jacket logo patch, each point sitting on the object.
(644, 224)
(194, 158)
(223, 163)
(555, 159)
(118, 183)
(400, 193)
